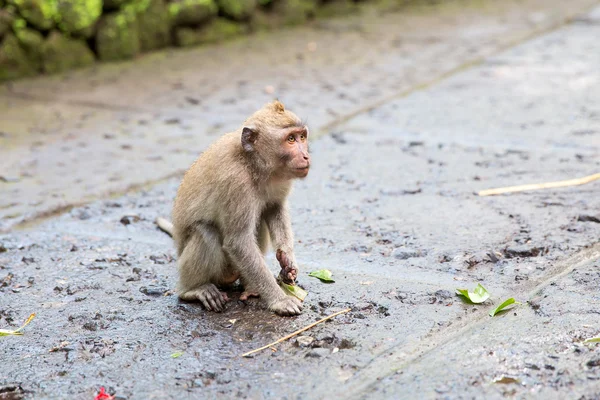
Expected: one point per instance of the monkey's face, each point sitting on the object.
(295, 151)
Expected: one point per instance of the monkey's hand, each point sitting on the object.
(289, 272)
(286, 306)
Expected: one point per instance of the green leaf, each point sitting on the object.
(294, 290)
(16, 332)
(502, 306)
(6, 332)
(592, 340)
(177, 354)
(478, 295)
(323, 274)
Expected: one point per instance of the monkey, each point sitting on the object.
(232, 203)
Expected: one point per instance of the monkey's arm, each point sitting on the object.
(280, 228)
(242, 250)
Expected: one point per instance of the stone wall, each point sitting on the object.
(50, 36)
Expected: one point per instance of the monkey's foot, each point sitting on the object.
(211, 298)
(247, 294)
(286, 306)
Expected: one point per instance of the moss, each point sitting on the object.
(78, 16)
(237, 9)
(61, 53)
(216, 31)
(295, 12)
(117, 36)
(154, 26)
(6, 21)
(192, 12)
(39, 13)
(335, 8)
(14, 62)
(31, 41)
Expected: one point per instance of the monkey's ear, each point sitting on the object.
(278, 106)
(249, 137)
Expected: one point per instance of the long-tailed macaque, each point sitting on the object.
(231, 201)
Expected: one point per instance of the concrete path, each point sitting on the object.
(389, 208)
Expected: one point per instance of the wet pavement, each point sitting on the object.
(389, 207)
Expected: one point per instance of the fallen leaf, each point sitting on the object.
(506, 379)
(478, 295)
(323, 274)
(502, 306)
(294, 290)
(592, 340)
(177, 354)
(7, 332)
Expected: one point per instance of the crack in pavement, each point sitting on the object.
(392, 361)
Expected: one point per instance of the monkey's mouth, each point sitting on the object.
(303, 171)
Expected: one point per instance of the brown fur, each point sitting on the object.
(231, 200)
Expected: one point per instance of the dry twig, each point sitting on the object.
(537, 186)
(296, 333)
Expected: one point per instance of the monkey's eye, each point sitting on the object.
(303, 138)
(291, 139)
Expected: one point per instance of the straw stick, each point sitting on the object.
(296, 333)
(537, 186)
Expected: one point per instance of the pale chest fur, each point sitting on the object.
(276, 191)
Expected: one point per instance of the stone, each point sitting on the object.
(336, 8)
(39, 13)
(238, 10)
(192, 12)
(117, 37)
(404, 253)
(218, 30)
(154, 26)
(31, 41)
(6, 20)
(61, 53)
(318, 353)
(304, 341)
(78, 17)
(294, 12)
(14, 62)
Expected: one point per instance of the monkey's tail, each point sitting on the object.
(165, 225)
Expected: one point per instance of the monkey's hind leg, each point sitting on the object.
(202, 264)
(262, 238)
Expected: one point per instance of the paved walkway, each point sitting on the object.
(389, 208)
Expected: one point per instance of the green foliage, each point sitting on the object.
(294, 12)
(6, 21)
(192, 12)
(216, 31)
(78, 16)
(237, 9)
(39, 13)
(154, 25)
(61, 53)
(31, 41)
(118, 37)
(13, 60)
